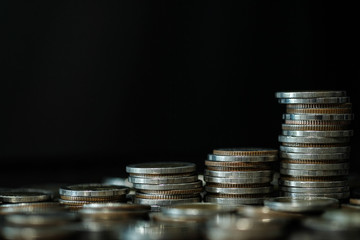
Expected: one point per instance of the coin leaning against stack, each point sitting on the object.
(76, 196)
(237, 176)
(315, 144)
(165, 183)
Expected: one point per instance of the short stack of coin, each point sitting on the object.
(238, 176)
(315, 144)
(75, 196)
(165, 183)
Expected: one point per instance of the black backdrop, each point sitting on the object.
(88, 88)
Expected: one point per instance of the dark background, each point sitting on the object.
(87, 88)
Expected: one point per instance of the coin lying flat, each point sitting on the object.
(340, 133)
(197, 209)
(238, 174)
(178, 186)
(24, 195)
(161, 168)
(165, 202)
(315, 140)
(301, 204)
(336, 166)
(163, 180)
(93, 190)
(310, 127)
(236, 190)
(309, 156)
(314, 100)
(315, 150)
(233, 201)
(326, 117)
(310, 94)
(314, 173)
(245, 151)
(230, 158)
(309, 184)
(315, 190)
(237, 180)
(341, 195)
(34, 207)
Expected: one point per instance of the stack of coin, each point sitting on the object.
(315, 144)
(75, 196)
(165, 183)
(237, 176)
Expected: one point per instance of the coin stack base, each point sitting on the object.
(315, 144)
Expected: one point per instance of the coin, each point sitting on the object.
(236, 190)
(165, 202)
(314, 100)
(301, 204)
(163, 180)
(161, 168)
(336, 166)
(173, 192)
(337, 123)
(309, 184)
(121, 198)
(326, 117)
(315, 150)
(40, 219)
(197, 209)
(341, 195)
(315, 190)
(233, 201)
(33, 207)
(317, 106)
(237, 180)
(304, 127)
(234, 165)
(310, 94)
(314, 173)
(93, 190)
(228, 158)
(316, 140)
(177, 186)
(309, 156)
(166, 196)
(245, 151)
(24, 195)
(318, 110)
(238, 174)
(340, 133)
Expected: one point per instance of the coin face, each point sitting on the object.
(161, 168)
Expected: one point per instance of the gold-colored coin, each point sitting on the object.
(245, 152)
(318, 122)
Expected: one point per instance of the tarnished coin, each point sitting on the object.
(314, 173)
(24, 195)
(177, 186)
(163, 180)
(315, 150)
(316, 140)
(239, 174)
(340, 133)
(314, 100)
(326, 117)
(310, 94)
(301, 204)
(161, 168)
(309, 156)
(245, 151)
(336, 166)
(93, 190)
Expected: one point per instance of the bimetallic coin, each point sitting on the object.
(165, 202)
(314, 100)
(233, 201)
(245, 151)
(238, 174)
(336, 166)
(340, 133)
(309, 156)
(315, 190)
(227, 190)
(315, 140)
(171, 180)
(342, 195)
(237, 180)
(301, 204)
(315, 150)
(24, 195)
(161, 168)
(223, 158)
(315, 184)
(310, 94)
(178, 186)
(326, 117)
(314, 173)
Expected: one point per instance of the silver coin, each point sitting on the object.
(238, 174)
(310, 184)
(314, 100)
(301, 204)
(229, 190)
(225, 158)
(237, 180)
(197, 209)
(340, 133)
(314, 173)
(34, 207)
(161, 168)
(175, 186)
(342, 195)
(335, 166)
(309, 156)
(315, 140)
(155, 180)
(25, 195)
(165, 202)
(315, 150)
(315, 190)
(310, 94)
(115, 206)
(41, 219)
(93, 190)
(166, 196)
(233, 201)
(312, 116)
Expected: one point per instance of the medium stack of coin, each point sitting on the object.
(315, 144)
(237, 176)
(75, 196)
(165, 183)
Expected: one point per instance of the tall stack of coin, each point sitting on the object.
(75, 196)
(238, 176)
(315, 144)
(165, 183)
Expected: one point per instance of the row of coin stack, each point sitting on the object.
(239, 176)
(315, 144)
(161, 184)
